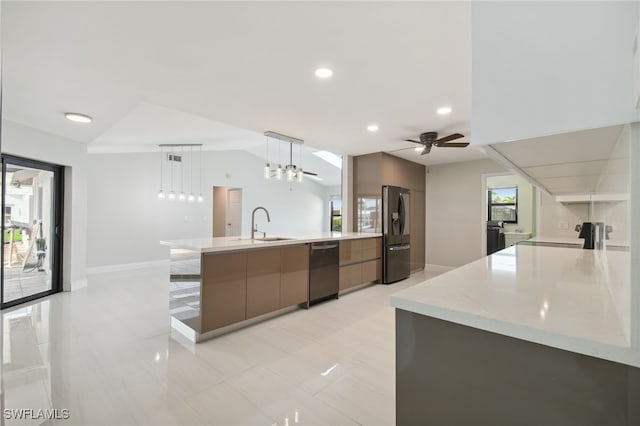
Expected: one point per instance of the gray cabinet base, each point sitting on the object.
(449, 374)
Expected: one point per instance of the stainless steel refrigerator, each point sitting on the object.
(395, 234)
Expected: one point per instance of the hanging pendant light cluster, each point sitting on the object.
(290, 172)
(175, 154)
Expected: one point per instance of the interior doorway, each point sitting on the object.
(510, 201)
(227, 211)
(31, 230)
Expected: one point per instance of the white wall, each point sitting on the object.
(454, 212)
(541, 68)
(27, 142)
(559, 220)
(615, 179)
(525, 201)
(126, 220)
(634, 137)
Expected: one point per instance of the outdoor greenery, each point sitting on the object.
(503, 204)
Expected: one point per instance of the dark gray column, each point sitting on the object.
(449, 374)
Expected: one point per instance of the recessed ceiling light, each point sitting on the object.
(373, 127)
(444, 110)
(324, 72)
(78, 118)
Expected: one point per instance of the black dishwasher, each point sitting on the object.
(324, 260)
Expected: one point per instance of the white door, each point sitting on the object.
(234, 213)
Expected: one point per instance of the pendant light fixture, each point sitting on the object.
(291, 171)
(181, 197)
(173, 157)
(200, 197)
(191, 198)
(161, 192)
(172, 195)
(267, 166)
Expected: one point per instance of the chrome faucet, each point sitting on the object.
(254, 228)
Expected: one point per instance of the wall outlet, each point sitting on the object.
(563, 225)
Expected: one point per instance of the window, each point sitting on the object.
(336, 215)
(503, 204)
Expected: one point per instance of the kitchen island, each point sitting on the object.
(531, 335)
(220, 284)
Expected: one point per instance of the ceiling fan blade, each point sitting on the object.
(409, 140)
(454, 145)
(309, 173)
(451, 137)
(426, 150)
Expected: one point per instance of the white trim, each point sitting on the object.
(78, 284)
(438, 268)
(184, 330)
(127, 267)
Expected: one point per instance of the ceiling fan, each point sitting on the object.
(429, 139)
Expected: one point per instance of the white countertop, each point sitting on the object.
(554, 296)
(558, 240)
(209, 245)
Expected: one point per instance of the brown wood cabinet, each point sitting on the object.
(224, 290)
(263, 281)
(243, 285)
(372, 171)
(371, 270)
(417, 237)
(294, 280)
(360, 261)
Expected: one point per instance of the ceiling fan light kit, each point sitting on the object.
(430, 139)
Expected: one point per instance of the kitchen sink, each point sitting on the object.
(272, 239)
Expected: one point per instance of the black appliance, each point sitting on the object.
(594, 234)
(324, 258)
(495, 237)
(396, 260)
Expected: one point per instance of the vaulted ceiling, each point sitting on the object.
(222, 73)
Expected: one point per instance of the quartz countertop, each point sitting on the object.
(217, 244)
(559, 297)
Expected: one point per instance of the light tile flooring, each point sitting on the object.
(107, 354)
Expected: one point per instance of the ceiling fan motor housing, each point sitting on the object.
(428, 137)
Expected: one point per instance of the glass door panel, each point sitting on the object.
(30, 258)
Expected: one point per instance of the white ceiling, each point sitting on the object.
(222, 73)
(568, 163)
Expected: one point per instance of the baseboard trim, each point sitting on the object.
(78, 284)
(438, 268)
(127, 267)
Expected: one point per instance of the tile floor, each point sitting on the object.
(107, 354)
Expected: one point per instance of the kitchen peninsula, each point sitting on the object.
(220, 284)
(530, 335)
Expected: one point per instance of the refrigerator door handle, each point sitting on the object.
(405, 247)
(402, 214)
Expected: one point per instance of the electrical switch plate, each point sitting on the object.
(563, 225)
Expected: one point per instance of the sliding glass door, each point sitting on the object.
(31, 230)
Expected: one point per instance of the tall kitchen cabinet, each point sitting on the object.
(372, 171)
